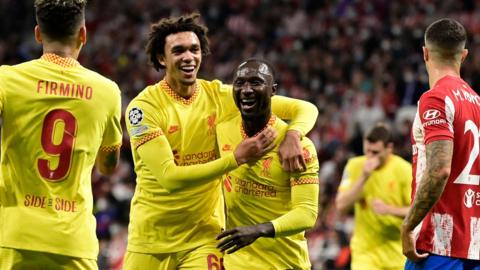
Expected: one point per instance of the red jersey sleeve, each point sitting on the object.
(435, 113)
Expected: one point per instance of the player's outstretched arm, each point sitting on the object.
(303, 214)
(304, 199)
(107, 161)
(157, 156)
(303, 116)
(439, 160)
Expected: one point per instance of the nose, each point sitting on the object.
(188, 56)
(246, 89)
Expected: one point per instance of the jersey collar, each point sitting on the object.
(65, 62)
(165, 87)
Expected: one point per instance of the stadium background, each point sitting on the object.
(358, 61)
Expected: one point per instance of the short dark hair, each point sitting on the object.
(446, 37)
(379, 133)
(60, 19)
(160, 30)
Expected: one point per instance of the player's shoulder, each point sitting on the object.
(357, 161)
(444, 87)
(401, 163)
(280, 125)
(230, 120)
(99, 79)
(214, 86)
(148, 93)
(309, 150)
(9, 69)
(145, 99)
(5, 71)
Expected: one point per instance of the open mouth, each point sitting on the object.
(188, 70)
(247, 103)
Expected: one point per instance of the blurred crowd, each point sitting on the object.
(359, 61)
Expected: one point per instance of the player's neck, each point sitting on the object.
(185, 91)
(253, 125)
(436, 72)
(61, 50)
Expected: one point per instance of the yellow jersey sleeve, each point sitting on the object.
(112, 137)
(148, 139)
(304, 197)
(158, 157)
(351, 172)
(303, 114)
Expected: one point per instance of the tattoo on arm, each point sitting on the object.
(437, 171)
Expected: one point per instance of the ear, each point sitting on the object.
(161, 59)
(426, 55)
(82, 35)
(390, 146)
(274, 89)
(464, 54)
(38, 34)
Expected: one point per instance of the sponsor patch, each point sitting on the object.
(469, 198)
(135, 116)
(431, 114)
(140, 130)
(434, 122)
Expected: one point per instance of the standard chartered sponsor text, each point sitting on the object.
(198, 158)
(254, 189)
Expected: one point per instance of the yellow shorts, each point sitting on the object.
(205, 257)
(33, 260)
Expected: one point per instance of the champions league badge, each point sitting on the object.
(135, 116)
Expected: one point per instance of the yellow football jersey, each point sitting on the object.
(162, 221)
(262, 192)
(378, 236)
(56, 116)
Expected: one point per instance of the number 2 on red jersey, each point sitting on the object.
(465, 177)
(63, 150)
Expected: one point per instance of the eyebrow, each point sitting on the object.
(176, 47)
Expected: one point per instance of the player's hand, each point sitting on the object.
(239, 237)
(252, 149)
(380, 208)
(291, 152)
(408, 245)
(371, 164)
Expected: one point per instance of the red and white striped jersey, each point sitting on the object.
(450, 111)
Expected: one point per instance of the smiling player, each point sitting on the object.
(268, 209)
